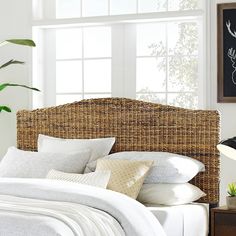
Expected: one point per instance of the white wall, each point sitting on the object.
(15, 18)
(15, 22)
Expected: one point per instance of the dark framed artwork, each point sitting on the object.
(226, 57)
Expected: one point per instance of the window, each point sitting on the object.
(83, 63)
(152, 50)
(61, 9)
(167, 63)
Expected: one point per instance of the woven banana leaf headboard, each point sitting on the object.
(137, 126)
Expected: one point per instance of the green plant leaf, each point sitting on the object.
(24, 42)
(10, 63)
(5, 108)
(232, 189)
(3, 86)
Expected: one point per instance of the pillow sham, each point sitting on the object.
(97, 178)
(126, 176)
(98, 147)
(167, 167)
(169, 194)
(25, 164)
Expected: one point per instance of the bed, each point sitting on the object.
(188, 219)
(137, 126)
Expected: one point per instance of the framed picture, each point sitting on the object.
(226, 37)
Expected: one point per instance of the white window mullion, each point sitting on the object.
(37, 71)
(154, 16)
(109, 7)
(37, 9)
(130, 61)
(81, 8)
(202, 79)
(205, 50)
(167, 62)
(50, 68)
(137, 6)
(124, 60)
(82, 63)
(117, 83)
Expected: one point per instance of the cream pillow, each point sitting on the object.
(126, 176)
(97, 178)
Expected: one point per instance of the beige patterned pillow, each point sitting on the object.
(126, 176)
(97, 178)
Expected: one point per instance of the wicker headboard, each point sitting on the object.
(137, 126)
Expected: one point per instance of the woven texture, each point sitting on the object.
(127, 177)
(137, 126)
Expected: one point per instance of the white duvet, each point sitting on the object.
(49, 207)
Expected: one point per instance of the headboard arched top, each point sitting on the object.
(137, 126)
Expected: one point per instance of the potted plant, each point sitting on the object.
(231, 199)
(24, 42)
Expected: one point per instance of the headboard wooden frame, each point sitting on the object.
(137, 126)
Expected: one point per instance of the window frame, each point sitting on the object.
(123, 65)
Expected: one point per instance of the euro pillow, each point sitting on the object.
(126, 176)
(98, 147)
(24, 164)
(169, 194)
(167, 167)
(98, 178)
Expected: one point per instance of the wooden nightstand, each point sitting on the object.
(223, 222)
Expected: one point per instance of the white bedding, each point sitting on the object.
(183, 220)
(48, 207)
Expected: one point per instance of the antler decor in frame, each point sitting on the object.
(226, 36)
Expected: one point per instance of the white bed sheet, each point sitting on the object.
(80, 209)
(183, 220)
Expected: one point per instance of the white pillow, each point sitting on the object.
(98, 147)
(97, 178)
(169, 194)
(167, 167)
(24, 164)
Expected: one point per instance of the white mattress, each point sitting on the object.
(183, 220)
